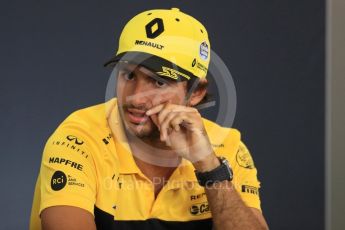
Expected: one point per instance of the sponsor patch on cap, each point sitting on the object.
(203, 51)
(172, 73)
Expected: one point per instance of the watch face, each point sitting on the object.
(226, 162)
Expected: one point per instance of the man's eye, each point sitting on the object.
(128, 75)
(160, 84)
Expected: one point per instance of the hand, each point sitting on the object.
(182, 129)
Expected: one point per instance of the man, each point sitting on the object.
(147, 159)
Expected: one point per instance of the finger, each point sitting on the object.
(171, 108)
(165, 125)
(158, 108)
(181, 108)
(179, 117)
(186, 121)
(167, 109)
(177, 127)
(188, 118)
(165, 135)
(177, 121)
(155, 109)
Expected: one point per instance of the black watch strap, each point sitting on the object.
(221, 173)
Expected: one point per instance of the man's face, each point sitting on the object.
(138, 90)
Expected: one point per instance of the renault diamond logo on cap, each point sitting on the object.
(154, 28)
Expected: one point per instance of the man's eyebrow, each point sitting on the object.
(160, 79)
(123, 65)
(125, 68)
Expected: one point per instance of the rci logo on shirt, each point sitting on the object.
(58, 181)
(198, 209)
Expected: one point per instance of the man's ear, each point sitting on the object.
(199, 93)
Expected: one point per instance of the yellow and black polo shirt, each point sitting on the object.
(87, 163)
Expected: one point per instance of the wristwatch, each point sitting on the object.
(221, 173)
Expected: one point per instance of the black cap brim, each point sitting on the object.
(158, 65)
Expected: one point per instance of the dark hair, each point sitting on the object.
(200, 86)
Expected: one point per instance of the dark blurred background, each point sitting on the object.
(51, 64)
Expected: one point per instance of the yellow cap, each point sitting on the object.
(168, 42)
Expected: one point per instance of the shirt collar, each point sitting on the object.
(127, 164)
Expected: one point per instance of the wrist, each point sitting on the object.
(207, 164)
(211, 175)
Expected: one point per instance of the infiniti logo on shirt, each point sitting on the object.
(75, 139)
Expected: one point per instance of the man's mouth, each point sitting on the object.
(137, 116)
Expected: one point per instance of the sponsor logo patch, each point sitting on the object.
(203, 51)
(70, 144)
(58, 181)
(218, 145)
(107, 139)
(197, 196)
(147, 43)
(172, 73)
(199, 65)
(72, 181)
(58, 160)
(154, 28)
(243, 158)
(199, 209)
(75, 139)
(250, 189)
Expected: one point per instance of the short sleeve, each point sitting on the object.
(245, 177)
(67, 173)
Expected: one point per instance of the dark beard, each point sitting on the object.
(154, 134)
